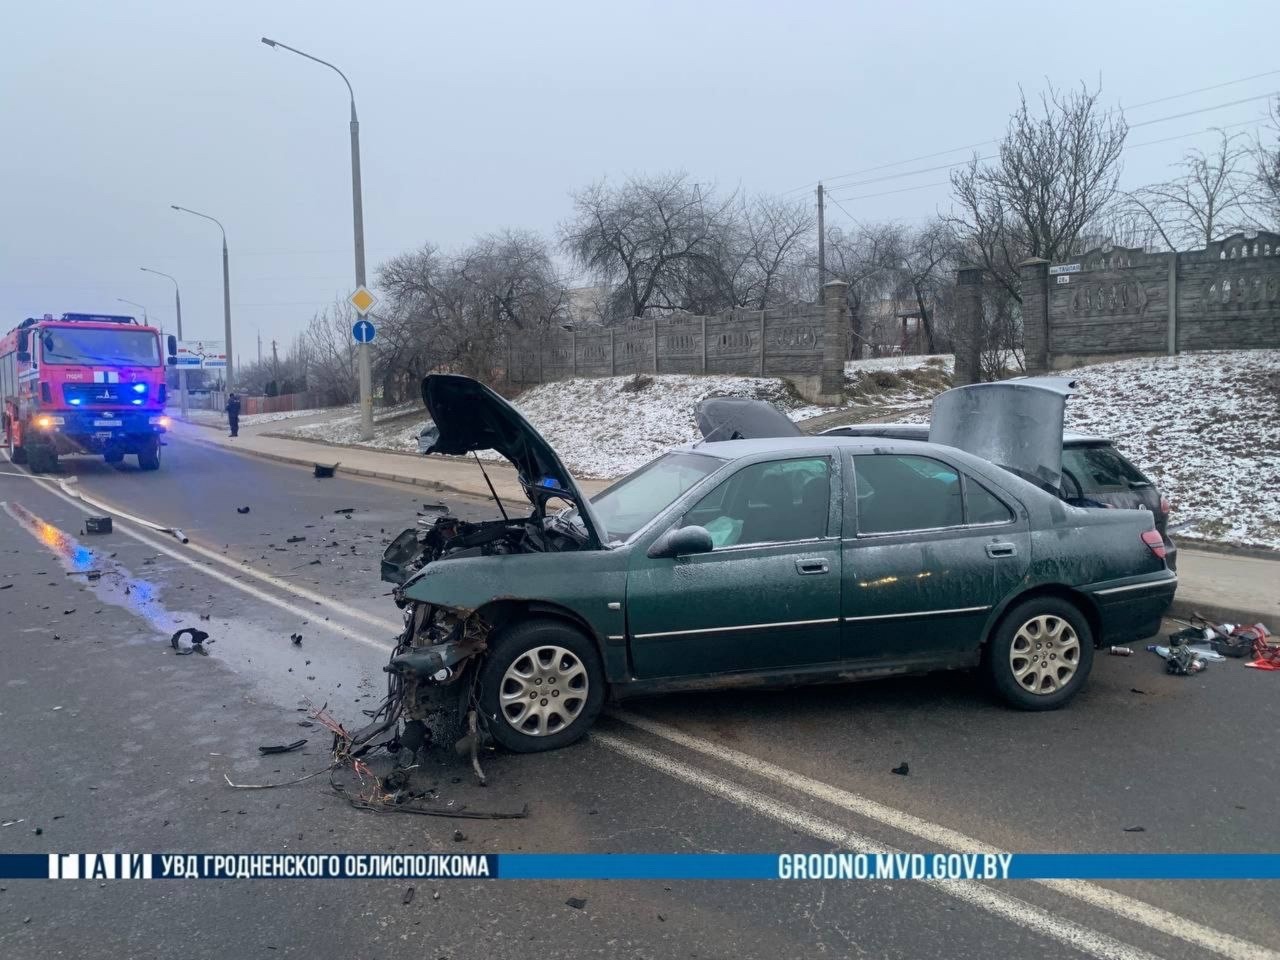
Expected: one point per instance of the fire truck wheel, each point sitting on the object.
(42, 459)
(149, 456)
(17, 454)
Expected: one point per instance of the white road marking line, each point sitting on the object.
(252, 591)
(246, 569)
(1162, 921)
(975, 894)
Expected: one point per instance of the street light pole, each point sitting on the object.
(357, 218)
(226, 290)
(177, 308)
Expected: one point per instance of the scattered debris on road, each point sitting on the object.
(296, 638)
(576, 902)
(347, 510)
(408, 896)
(97, 525)
(295, 540)
(283, 747)
(197, 637)
(242, 509)
(1135, 829)
(323, 472)
(902, 769)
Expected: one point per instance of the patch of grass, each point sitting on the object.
(637, 383)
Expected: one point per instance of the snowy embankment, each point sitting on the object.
(219, 417)
(1204, 426)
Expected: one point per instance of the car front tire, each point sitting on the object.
(542, 686)
(1040, 654)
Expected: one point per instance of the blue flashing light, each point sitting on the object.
(135, 402)
(139, 388)
(75, 401)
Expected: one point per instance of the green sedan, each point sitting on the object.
(774, 560)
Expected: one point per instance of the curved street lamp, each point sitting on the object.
(357, 217)
(226, 289)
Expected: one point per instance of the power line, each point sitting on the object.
(961, 163)
(1136, 106)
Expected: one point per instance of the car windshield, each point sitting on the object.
(130, 347)
(636, 499)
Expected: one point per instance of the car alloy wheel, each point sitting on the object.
(544, 690)
(1044, 654)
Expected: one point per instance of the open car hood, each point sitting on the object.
(741, 418)
(468, 416)
(1015, 424)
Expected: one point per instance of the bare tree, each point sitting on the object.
(1265, 194)
(331, 353)
(1206, 201)
(653, 238)
(1056, 172)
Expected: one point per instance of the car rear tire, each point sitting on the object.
(1040, 654)
(541, 687)
(149, 456)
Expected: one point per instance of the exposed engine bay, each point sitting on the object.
(433, 667)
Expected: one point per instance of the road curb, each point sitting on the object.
(1182, 608)
(438, 486)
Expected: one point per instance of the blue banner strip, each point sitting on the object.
(654, 866)
(24, 866)
(638, 866)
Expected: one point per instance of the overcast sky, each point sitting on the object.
(480, 116)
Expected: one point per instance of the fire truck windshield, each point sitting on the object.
(88, 345)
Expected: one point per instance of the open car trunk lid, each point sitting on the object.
(742, 418)
(1015, 424)
(468, 416)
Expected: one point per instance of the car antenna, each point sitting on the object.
(496, 499)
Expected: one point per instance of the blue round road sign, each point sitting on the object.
(363, 331)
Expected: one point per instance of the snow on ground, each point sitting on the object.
(394, 428)
(1205, 427)
(219, 418)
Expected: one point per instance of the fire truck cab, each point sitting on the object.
(83, 383)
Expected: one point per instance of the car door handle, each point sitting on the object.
(995, 550)
(812, 565)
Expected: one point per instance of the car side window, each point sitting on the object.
(982, 506)
(1099, 469)
(898, 493)
(769, 502)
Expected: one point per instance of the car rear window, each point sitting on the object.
(1100, 469)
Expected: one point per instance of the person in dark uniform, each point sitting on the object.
(233, 414)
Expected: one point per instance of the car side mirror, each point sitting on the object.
(682, 541)
(173, 346)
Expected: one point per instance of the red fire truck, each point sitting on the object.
(83, 383)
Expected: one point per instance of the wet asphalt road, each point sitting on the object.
(133, 758)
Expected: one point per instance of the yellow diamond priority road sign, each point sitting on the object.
(362, 300)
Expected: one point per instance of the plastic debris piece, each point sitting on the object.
(197, 637)
(242, 509)
(576, 902)
(408, 896)
(283, 747)
(902, 769)
(97, 525)
(323, 472)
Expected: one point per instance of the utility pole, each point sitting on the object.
(822, 247)
(275, 366)
(259, 348)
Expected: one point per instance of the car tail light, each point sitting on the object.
(1154, 542)
(1165, 506)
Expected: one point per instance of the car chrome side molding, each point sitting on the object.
(1145, 585)
(920, 613)
(745, 626)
